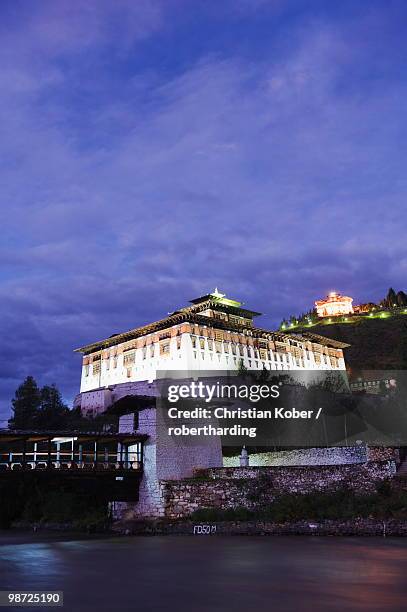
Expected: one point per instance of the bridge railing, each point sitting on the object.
(17, 464)
(81, 452)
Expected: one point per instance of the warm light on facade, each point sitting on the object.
(334, 305)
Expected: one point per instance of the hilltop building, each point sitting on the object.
(213, 333)
(334, 305)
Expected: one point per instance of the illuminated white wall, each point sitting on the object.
(190, 356)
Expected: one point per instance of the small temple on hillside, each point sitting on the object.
(334, 305)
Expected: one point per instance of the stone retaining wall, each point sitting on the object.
(250, 487)
(341, 455)
(304, 456)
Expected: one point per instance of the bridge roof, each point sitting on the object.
(8, 435)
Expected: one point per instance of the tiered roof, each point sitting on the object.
(191, 314)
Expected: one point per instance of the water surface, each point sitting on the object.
(217, 573)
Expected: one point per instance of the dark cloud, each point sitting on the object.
(132, 183)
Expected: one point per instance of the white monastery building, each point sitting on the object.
(213, 333)
(334, 305)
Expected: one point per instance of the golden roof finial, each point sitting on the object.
(217, 294)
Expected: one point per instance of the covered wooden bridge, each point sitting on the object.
(78, 453)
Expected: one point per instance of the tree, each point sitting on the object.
(26, 403)
(35, 408)
(53, 412)
(391, 299)
(401, 299)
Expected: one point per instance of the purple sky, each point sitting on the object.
(152, 150)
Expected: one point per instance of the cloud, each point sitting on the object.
(129, 188)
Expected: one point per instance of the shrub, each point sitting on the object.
(341, 504)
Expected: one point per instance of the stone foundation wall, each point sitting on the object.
(305, 456)
(151, 503)
(317, 456)
(250, 487)
(382, 453)
(99, 400)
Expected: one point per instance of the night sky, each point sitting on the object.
(152, 150)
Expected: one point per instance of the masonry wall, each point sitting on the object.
(249, 487)
(163, 458)
(98, 401)
(305, 456)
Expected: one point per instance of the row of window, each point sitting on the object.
(129, 357)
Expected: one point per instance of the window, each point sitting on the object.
(218, 335)
(193, 339)
(202, 343)
(210, 345)
(218, 347)
(164, 348)
(115, 362)
(129, 358)
(96, 367)
(263, 354)
(86, 370)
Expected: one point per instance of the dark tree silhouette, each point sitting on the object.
(53, 412)
(25, 405)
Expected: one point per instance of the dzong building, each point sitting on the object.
(213, 333)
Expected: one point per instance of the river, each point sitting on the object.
(216, 573)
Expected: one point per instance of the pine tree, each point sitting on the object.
(391, 299)
(26, 404)
(53, 412)
(401, 299)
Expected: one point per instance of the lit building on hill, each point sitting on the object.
(334, 305)
(213, 333)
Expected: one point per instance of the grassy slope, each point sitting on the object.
(375, 343)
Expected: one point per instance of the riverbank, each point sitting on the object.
(27, 535)
(355, 527)
(158, 527)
